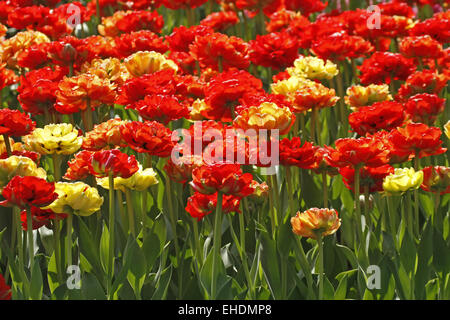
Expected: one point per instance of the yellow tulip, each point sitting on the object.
(447, 129)
(139, 181)
(19, 166)
(59, 138)
(289, 86)
(402, 180)
(76, 198)
(266, 116)
(109, 69)
(313, 68)
(144, 62)
(359, 96)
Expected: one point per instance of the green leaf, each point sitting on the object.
(152, 248)
(284, 239)
(368, 295)
(310, 192)
(91, 288)
(104, 248)
(328, 290)
(270, 265)
(336, 187)
(341, 290)
(347, 200)
(426, 202)
(206, 273)
(349, 254)
(161, 290)
(441, 261)
(432, 289)
(36, 287)
(52, 274)
(425, 258)
(88, 247)
(408, 254)
(138, 267)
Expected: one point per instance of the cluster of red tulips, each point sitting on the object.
(226, 136)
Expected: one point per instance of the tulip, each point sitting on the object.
(139, 181)
(447, 129)
(316, 223)
(266, 116)
(19, 166)
(76, 198)
(61, 138)
(313, 68)
(144, 62)
(402, 180)
(360, 96)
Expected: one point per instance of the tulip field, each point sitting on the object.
(224, 150)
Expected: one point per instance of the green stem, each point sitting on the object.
(295, 127)
(340, 89)
(30, 238)
(7, 145)
(366, 205)
(173, 221)
(220, 64)
(190, 17)
(87, 116)
(216, 245)
(391, 212)
(172, 217)
(111, 235)
(436, 219)
(325, 189)
(56, 166)
(12, 243)
(69, 221)
(261, 22)
(57, 248)
(276, 192)
(122, 214)
(130, 211)
(20, 247)
(302, 124)
(209, 7)
(97, 11)
(198, 248)
(147, 164)
(284, 278)
(319, 242)
(305, 264)
(243, 255)
(273, 220)
(312, 127)
(290, 190)
(357, 203)
(355, 72)
(409, 219)
(416, 197)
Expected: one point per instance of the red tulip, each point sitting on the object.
(28, 191)
(417, 139)
(148, 137)
(199, 205)
(15, 123)
(222, 177)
